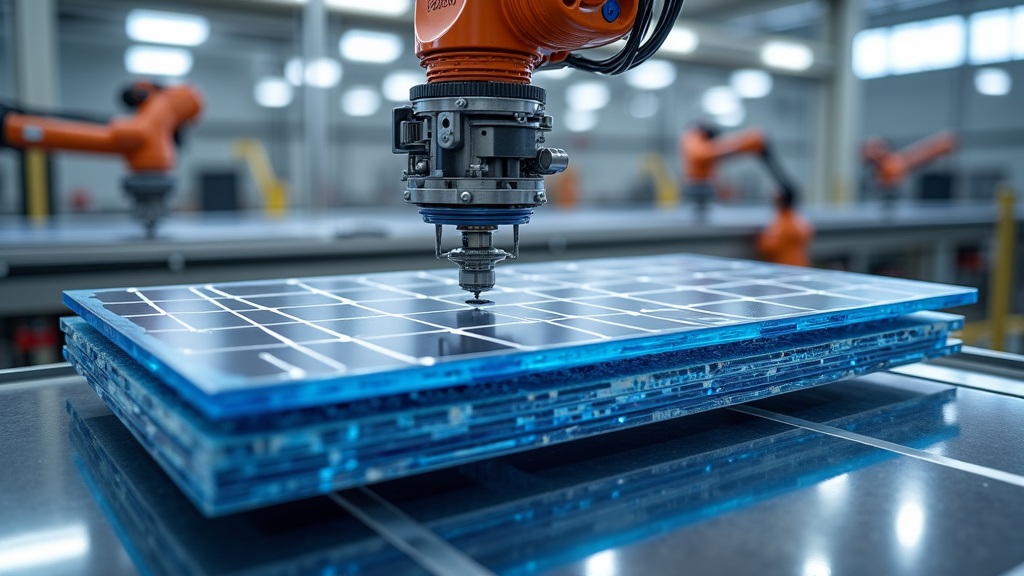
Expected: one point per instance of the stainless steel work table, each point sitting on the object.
(917, 471)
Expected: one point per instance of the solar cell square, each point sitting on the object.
(300, 332)
(159, 322)
(757, 290)
(376, 326)
(536, 334)
(413, 306)
(432, 345)
(132, 309)
(206, 340)
(751, 309)
(567, 308)
(211, 320)
(266, 317)
(333, 312)
(685, 297)
(608, 329)
(198, 305)
(278, 363)
(636, 304)
(290, 300)
(335, 284)
(163, 294)
(817, 301)
(260, 288)
(472, 318)
(631, 287)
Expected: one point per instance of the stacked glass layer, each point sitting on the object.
(254, 393)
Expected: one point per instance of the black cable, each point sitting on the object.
(636, 51)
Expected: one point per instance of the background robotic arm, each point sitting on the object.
(146, 140)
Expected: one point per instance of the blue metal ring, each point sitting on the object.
(610, 11)
(476, 216)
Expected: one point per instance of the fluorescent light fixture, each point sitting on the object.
(908, 48)
(369, 46)
(273, 92)
(43, 548)
(652, 75)
(293, 71)
(323, 73)
(577, 120)
(643, 105)
(990, 36)
(871, 53)
(360, 101)
(1018, 33)
(787, 55)
(733, 118)
(157, 61)
(751, 83)
(720, 100)
(553, 74)
(680, 40)
(373, 7)
(160, 27)
(589, 95)
(927, 45)
(992, 82)
(396, 85)
(947, 38)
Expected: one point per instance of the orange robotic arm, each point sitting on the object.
(145, 140)
(506, 40)
(702, 151)
(474, 134)
(893, 167)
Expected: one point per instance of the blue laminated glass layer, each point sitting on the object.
(247, 348)
(251, 461)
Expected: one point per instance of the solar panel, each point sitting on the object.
(250, 461)
(245, 348)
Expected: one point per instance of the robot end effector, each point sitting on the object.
(475, 132)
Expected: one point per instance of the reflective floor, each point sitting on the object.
(886, 474)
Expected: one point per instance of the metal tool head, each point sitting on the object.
(149, 192)
(476, 162)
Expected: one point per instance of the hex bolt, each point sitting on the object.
(461, 102)
(407, 195)
(465, 196)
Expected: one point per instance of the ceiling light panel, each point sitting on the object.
(157, 61)
(373, 7)
(652, 75)
(360, 101)
(680, 40)
(396, 85)
(751, 83)
(158, 27)
(273, 92)
(787, 55)
(589, 95)
(370, 46)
